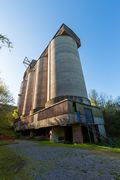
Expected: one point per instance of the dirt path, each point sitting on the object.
(61, 163)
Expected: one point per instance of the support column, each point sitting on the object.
(40, 92)
(21, 96)
(49, 73)
(54, 134)
(36, 85)
(29, 93)
(77, 134)
(94, 134)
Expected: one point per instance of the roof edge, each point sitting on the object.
(63, 28)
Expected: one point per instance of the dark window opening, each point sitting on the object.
(88, 116)
(74, 106)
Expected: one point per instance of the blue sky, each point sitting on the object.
(30, 24)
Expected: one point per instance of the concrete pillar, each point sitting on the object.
(77, 134)
(49, 74)
(54, 134)
(94, 134)
(21, 96)
(29, 93)
(40, 92)
(50, 135)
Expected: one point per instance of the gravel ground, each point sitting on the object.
(61, 163)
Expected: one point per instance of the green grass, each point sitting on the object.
(5, 142)
(10, 165)
(8, 162)
(14, 167)
(8, 131)
(92, 147)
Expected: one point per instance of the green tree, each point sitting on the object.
(6, 109)
(111, 111)
(5, 95)
(93, 96)
(5, 42)
(6, 99)
(15, 113)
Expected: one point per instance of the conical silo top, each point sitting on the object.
(65, 30)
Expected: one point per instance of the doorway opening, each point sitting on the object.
(68, 134)
(88, 136)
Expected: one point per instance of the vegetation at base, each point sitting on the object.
(10, 164)
(15, 167)
(7, 112)
(93, 147)
(111, 112)
(6, 121)
(6, 142)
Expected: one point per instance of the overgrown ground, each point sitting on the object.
(6, 132)
(36, 160)
(92, 147)
(11, 164)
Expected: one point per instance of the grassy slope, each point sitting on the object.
(5, 142)
(92, 147)
(6, 130)
(11, 165)
(6, 120)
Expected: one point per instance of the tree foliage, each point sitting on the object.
(6, 109)
(111, 111)
(5, 42)
(5, 95)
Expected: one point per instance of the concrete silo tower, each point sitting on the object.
(53, 101)
(65, 75)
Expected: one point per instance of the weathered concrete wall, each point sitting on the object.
(77, 134)
(21, 97)
(29, 94)
(60, 120)
(40, 93)
(53, 111)
(33, 121)
(61, 114)
(65, 76)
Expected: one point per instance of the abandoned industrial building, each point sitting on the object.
(53, 102)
